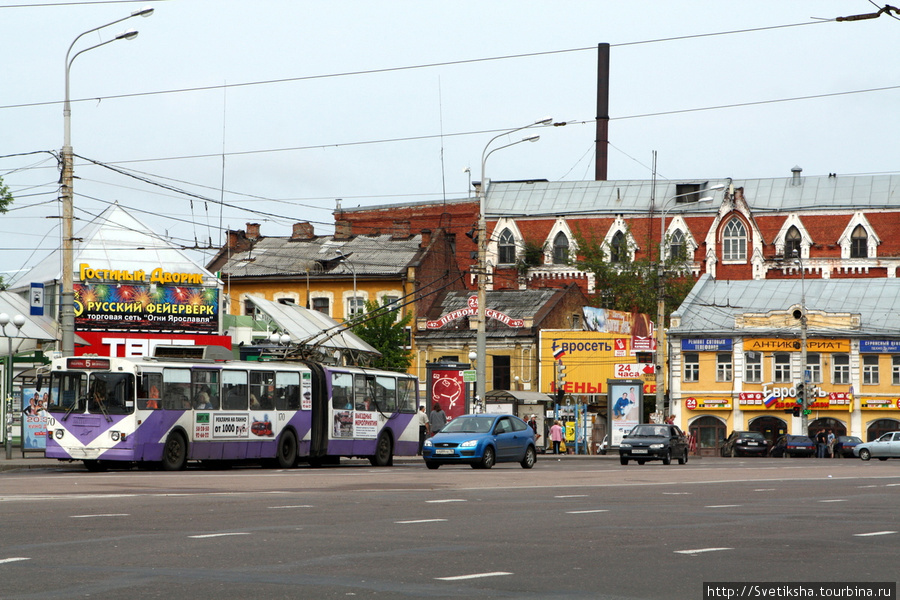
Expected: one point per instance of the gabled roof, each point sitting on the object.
(365, 255)
(713, 305)
(116, 240)
(633, 196)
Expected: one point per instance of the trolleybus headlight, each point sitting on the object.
(59, 434)
(114, 435)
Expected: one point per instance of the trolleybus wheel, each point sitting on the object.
(383, 456)
(174, 453)
(95, 466)
(287, 450)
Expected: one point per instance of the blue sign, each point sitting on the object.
(879, 346)
(706, 345)
(36, 299)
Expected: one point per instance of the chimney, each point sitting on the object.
(232, 239)
(401, 230)
(426, 238)
(795, 179)
(303, 231)
(342, 229)
(252, 231)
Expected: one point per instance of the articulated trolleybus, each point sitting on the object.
(166, 411)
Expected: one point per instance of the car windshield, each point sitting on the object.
(469, 425)
(649, 431)
(752, 435)
(849, 439)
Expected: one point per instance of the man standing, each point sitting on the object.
(424, 427)
(821, 443)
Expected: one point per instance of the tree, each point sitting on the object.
(380, 328)
(6, 199)
(631, 284)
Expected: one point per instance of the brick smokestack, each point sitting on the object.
(426, 238)
(253, 231)
(400, 230)
(342, 229)
(303, 231)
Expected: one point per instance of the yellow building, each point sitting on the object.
(737, 351)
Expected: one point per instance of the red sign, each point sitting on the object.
(470, 311)
(128, 345)
(449, 390)
(690, 403)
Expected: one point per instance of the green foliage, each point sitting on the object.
(6, 197)
(379, 327)
(532, 256)
(631, 285)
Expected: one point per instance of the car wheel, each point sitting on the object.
(623, 460)
(432, 465)
(641, 461)
(488, 458)
(529, 459)
(865, 454)
(682, 460)
(174, 453)
(667, 459)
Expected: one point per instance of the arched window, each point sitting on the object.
(734, 241)
(792, 241)
(676, 246)
(506, 247)
(859, 242)
(618, 250)
(560, 249)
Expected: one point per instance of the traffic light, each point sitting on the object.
(796, 411)
(801, 393)
(560, 375)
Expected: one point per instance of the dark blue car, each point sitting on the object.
(481, 441)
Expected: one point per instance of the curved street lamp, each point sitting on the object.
(67, 297)
(19, 322)
(480, 334)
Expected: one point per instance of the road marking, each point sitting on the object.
(677, 493)
(10, 560)
(765, 490)
(874, 533)
(293, 506)
(701, 550)
(573, 496)
(723, 506)
(420, 521)
(862, 487)
(106, 515)
(473, 576)
(447, 500)
(215, 535)
(584, 512)
(892, 484)
(836, 500)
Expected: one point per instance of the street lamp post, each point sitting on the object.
(67, 298)
(480, 333)
(18, 321)
(660, 297)
(804, 400)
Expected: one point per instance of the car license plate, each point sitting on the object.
(639, 451)
(753, 443)
(443, 451)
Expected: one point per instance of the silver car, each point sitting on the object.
(885, 447)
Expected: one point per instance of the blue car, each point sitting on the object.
(481, 441)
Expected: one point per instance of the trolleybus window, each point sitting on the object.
(262, 387)
(406, 396)
(234, 390)
(149, 390)
(67, 389)
(287, 391)
(342, 391)
(386, 393)
(176, 389)
(205, 389)
(111, 393)
(364, 393)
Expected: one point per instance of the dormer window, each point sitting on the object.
(618, 248)
(792, 241)
(506, 248)
(859, 242)
(676, 246)
(560, 249)
(734, 241)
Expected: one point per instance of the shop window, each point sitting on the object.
(753, 367)
(781, 363)
(691, 367)
(734, 241)
(506, 248)
(814, 367)
(870, 369)
(723, 366)
(840, 368)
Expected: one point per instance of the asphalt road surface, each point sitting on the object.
(570, 528)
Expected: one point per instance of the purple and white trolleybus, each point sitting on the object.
(167, 411)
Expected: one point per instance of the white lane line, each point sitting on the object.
(723, 506)
(92, 516)
(473, 576)
(765, 490)
(874, 533)
(677, 493)
(862, 487)
(444, 501)
(420, 521)
(293, 506)
(215, 535)
(11, 560)
(835, 500)
(892, 484)
(701, 550)
(573, 496)
(584, 512)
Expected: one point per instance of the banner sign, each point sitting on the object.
(793, 345)
(102, 307)
(707, 345)
(879, 346)
(129, 345)
(471, 310)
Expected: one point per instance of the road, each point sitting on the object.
(570, 528)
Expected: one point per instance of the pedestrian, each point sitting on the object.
(437, 419)
(424, 427)
(830, 440)
(821, 443)
(556, 436)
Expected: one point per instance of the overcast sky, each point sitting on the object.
(278, 107)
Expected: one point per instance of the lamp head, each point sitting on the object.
(129, 34)
(544, 121)
(531, 138)
(18, 321)
(718, 186)
(144, 12)
(285, 339)
(4, 319)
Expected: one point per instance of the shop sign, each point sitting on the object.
(879, 403)
(879, 346)
(634, 371)
(471, 310)
(103, 307)
(794, 345)
(130, 345)
(784, 398)
(707, 345)
(707, 403)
